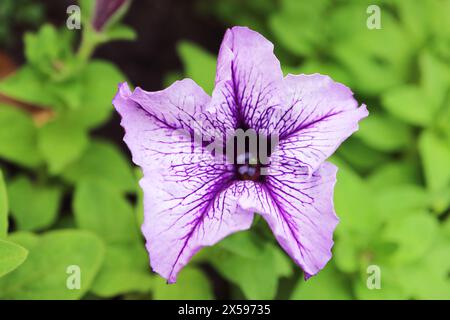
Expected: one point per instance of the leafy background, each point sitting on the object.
(69, 193)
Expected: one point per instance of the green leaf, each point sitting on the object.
(199, 64)
(391, 287)
(413, 17)
(409, 104)
(328, 284)
(395, 201)
(11, 256)
(61, 142)
(27, 85)
(440, 201)
(24, 238)
(48, 49)
(100, 208)
(443, 121)
(249, 263)
(119, 32)
(283, 263)
(376, 59)
(347, 19)
(126, 269)
(354, 203)
(191, 284)
(244, 244)
(361, 156)
(435, 154)
(414, 234)
(3, 208)
(437, 11)
(298, 26)
(446, 228)
(434, 78)
(427, 278)
(102, 161)
(392, 174)
(67, 94)
(378, 250)
(44, 275)
(99, 80)
(346, 252)
(33, 207)
(384, 133)
(18, 141)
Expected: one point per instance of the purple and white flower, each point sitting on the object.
(194, 197)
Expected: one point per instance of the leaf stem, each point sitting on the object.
(89, 42)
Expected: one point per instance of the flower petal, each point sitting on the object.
(190, 200)
(302, 215)
(247, 80)
(187, 211)
(319, 115)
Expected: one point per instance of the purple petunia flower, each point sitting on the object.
(194, 197)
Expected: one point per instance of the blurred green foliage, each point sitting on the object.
(69, 196)
(18, 12)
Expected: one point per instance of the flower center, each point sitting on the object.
(248, 168)
(249, 153)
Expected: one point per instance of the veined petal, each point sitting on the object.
(301, 214)
(182, 107)
(190, 216)
(247, 81)
(186, 211)
(190, 200)
(179, 107)
(318, 116)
